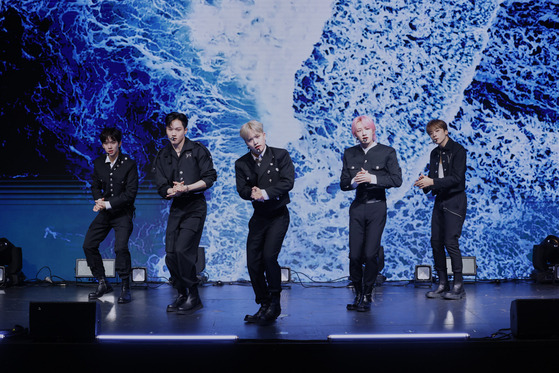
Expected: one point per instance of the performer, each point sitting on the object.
(183, 171)
(264, 175)
(369, 168)
(114, 187)
(447, 181)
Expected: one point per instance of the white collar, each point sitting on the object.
(259, 157)
(108, 160)
(373, 144)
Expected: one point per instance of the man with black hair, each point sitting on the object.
(183, 171)
(114, 187)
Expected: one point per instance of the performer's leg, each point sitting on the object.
(454, 215)
(356, 251)
(123, 226)
(375, 223)
(274, 236)
(257, 228)
(188, 241)
(171, 260)
(97, 232)
(439, 256)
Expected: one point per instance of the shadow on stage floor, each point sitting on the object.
(307, 336)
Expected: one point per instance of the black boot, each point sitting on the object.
(271, 313)
(192, 302)
(358, 290)
(102, 288)
(365, 304)
(442, 288)
(457, 291)
(261, 311)
(181, 298)
(125, 296)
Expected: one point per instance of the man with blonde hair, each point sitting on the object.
(264, 176)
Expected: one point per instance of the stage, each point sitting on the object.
(314, 330)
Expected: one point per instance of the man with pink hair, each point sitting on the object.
(369, 168)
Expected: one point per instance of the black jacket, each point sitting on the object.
(194, 163)
(276, 174)
(119, 185)
(381, 161)
(453, 157)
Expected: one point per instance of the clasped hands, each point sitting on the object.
(99, 205)
(256, 194)
(177, 189)
(423, 182)
(363, 176)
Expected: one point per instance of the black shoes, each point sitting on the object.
(457, 291)
(363, 299)
(443, 291)
(356, 301)
(365, 304)
(102, 288)
(191, 304)
(186, 303)
(252, 319)
(358, 289)
(181, 298)
(439, 292)
(125, 296)
(270, 315)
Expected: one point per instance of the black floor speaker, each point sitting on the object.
(64, 321)
(534, 318)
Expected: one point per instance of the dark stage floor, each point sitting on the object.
(304, 335)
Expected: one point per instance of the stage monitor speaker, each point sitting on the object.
(64, 321)
(534, 318)
(469, 266)
(83, 271)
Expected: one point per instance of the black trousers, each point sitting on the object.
(447, 220)
(184, 232)
(99, 228)
(264, 241)
(366, 224)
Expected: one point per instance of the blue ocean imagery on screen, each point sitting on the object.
(305, 69)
